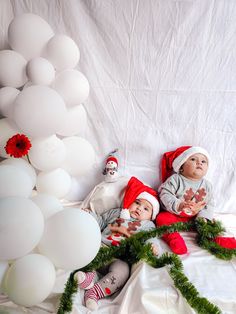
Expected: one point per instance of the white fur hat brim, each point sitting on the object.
(152, 200)
(180, 160)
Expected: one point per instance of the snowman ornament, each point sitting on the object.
(111, 169)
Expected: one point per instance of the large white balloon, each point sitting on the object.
(73, 86)
(40, 71)
(30, 280)
(71, 239)
(14, 181)
(21, 227)
(75, 121)
(39, 111)
(7, 130)
(80, 156)
(63, 52)
(23, 165)
(56, 182)
(28, 34)
(13, 69)
(47, 153)
(48, 204)
(7, 98)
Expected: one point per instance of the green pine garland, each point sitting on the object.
(135, 249)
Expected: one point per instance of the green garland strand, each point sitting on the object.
(134, 249)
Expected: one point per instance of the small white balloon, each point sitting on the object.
(28, 34)
(30, 280)
(75, 121)
(23, 165)
(40, 71)
(80, 156)
(39, 111)
(14, 181)
(13, 69)
(47, 153)
(56, 182)
(48, 204)
(63, 52)
(71, 239)
(21, 227)
(73, 87)
(7, 98)
(7, 130)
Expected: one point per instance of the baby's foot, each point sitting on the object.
(85, 280)
(92, 296)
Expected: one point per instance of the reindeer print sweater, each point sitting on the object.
(177, 189)
(112, 216)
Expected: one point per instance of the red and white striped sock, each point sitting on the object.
(92, 296)
(85, 280)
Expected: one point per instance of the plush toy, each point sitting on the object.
(111, 168)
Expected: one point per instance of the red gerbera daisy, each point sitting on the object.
(18, 146)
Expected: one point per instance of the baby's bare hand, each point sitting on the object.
(120, 229)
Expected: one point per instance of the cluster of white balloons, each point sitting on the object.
(42, 97)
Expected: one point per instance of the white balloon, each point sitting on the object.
(7, 98)
(80, 156)
(21, 227)
(63, 52)
(28, 34)
(75, 121)
(30, 280)
(47, 153)
(71, 239)
(48, 204)
(56, 182)
(73, 86)
(7, 130)
(14, 181)
(39, 111)
(40, 71)
(79, 189)
(23, 165)
(13, 69)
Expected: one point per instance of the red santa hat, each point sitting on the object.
(135, 189)
(112, 158)
(172, 161)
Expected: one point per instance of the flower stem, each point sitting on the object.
(28, 158)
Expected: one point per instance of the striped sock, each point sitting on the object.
(92, 296)
(85, 280)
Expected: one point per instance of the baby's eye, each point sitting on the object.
(137, 202)
(192, 159)
(204, 161)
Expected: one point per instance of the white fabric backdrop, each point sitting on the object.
(162, 74)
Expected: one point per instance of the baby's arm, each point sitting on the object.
(167, 194)
(208, 211)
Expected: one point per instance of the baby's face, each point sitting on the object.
(141, 209)
(195, 167)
